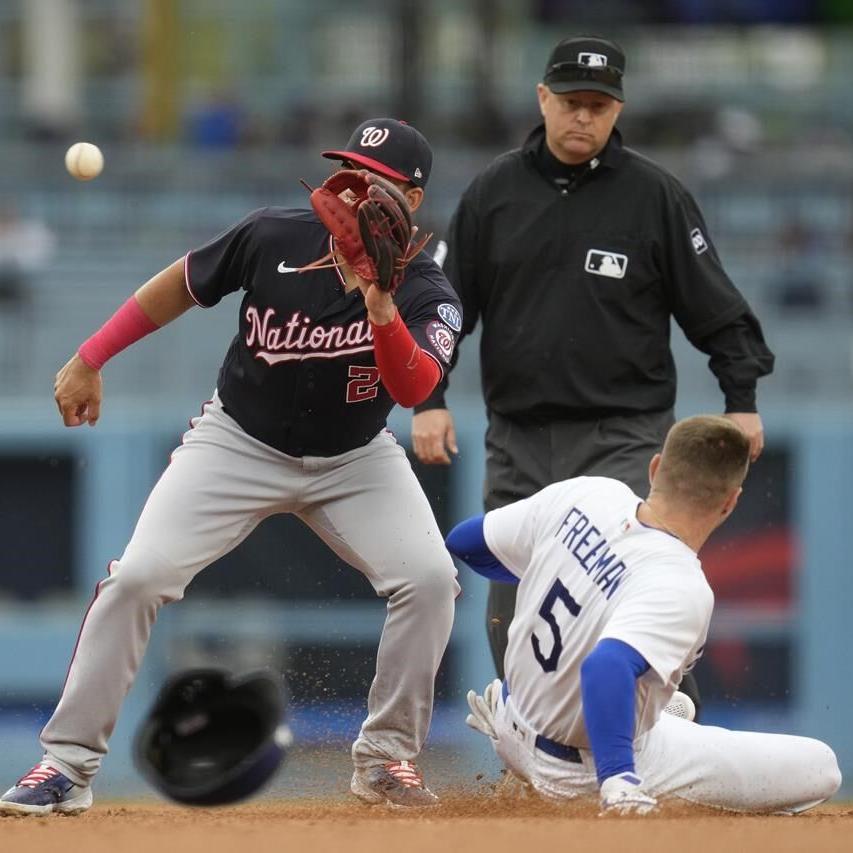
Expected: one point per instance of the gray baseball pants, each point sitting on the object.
(366, 504)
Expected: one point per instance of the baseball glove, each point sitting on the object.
(370, 221)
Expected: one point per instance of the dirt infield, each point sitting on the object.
(461, 822)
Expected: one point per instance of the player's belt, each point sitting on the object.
(548, 746)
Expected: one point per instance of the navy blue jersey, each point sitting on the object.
(300, 374)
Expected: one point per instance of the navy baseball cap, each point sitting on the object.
(586, 63)
(390, 147)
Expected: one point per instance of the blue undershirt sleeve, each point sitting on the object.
(467, 542)
(608, 686)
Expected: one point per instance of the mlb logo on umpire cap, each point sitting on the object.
(390, 147)
(592, 59)
(586, 63)
(608, 264)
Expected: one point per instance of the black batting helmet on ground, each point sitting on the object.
(211, 738)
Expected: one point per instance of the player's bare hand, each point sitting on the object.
(78, 391)
(380, 305)
(750, 423)
(624, 795)
(433, 435)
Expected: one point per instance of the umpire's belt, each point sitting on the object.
(545, 744)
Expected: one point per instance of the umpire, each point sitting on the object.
(575, 252)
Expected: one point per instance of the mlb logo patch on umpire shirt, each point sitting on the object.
(697, 238)
(609, 264)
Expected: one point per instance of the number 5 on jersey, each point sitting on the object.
(557, 593)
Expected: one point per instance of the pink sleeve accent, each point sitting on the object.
(187, 282)
(126, 326)
(409, 376)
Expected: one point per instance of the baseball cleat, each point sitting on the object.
(398, 783)
(44, 790)
(681, 705)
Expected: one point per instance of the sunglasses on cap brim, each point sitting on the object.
(609, 75)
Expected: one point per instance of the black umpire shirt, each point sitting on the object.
(300, 375)
(576, 272)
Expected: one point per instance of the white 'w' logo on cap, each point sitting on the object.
(372, 137)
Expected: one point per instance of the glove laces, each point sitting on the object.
(330, 260)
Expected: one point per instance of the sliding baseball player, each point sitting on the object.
(612, 610)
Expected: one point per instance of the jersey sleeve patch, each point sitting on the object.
(451, 315)
(442, 339)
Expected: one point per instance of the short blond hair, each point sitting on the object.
(704, 460)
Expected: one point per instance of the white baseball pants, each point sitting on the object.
(366, 504)
(706, 765)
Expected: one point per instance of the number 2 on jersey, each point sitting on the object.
(557, 593)
(363, 382)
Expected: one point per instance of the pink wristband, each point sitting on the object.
(126, 326)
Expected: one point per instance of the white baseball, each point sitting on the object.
(84, 161)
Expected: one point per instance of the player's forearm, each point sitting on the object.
(436, 400)
(407, 371)
(157, 302)
(608, 687)
(468, 542)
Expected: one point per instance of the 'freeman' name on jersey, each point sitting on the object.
(586, 543)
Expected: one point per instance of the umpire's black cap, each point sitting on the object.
(391, 148)
(586, 63)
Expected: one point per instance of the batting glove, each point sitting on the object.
(624, 794)
(483, 708)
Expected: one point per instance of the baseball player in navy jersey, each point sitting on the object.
(296, 425)
(613, 608)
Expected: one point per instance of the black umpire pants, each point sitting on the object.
(522, 458)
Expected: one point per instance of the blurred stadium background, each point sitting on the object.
(207, 108)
